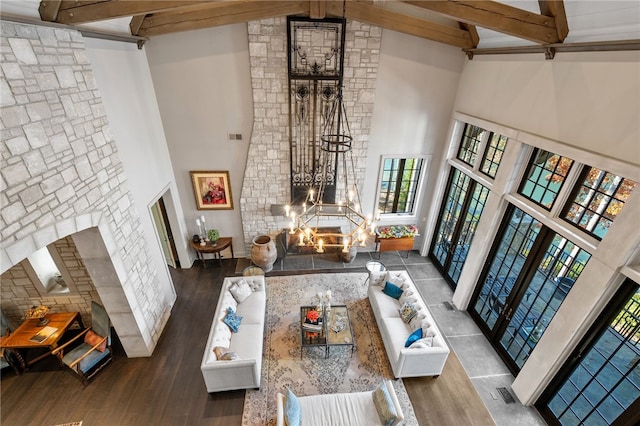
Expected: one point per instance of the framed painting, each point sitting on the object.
(212, 190)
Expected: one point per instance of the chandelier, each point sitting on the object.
(307, 218)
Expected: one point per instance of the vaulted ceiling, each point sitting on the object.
(467, 24)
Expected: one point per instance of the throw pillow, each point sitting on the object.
(405, 296)
(232, 320)
(417, 320)
(384, 405)
(407, 312)
(92, 339)
(416, 335)
(240, 290)
(229, 356)
(425, 342)
(292, 409)
(395, 278)
(392, 290)
(219, 351)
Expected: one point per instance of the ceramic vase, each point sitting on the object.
(263, 252)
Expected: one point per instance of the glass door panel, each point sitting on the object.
(508, 261)
(530, 272)
(459, 216)
(603, 385)
(554, 276)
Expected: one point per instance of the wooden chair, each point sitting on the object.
(95, 352)
(8, 358)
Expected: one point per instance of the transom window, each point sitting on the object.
(545, 175)
(493, 154)
(597, 199)
(470, 144)
(399, 185)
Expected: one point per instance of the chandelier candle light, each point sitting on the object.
(335, 144)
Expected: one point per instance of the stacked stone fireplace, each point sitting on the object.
(267, 175)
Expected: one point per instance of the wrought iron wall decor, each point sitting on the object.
(323, 175)
(315, 65)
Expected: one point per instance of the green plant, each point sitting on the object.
(213, 234)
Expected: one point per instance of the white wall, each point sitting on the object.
(124, 81)
(588, 100)
(415, 91)
(201, 80)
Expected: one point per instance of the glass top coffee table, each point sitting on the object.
(334, 330)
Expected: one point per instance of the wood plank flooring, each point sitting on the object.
(167, 388)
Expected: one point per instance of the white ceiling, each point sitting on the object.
(589, 20)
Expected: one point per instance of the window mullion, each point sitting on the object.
(564, 196)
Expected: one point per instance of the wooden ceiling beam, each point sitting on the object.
(219, 13)
(72, 13)
(555, 9)
(496, 16)
(372, 14)
(317, 9)
(49, 10)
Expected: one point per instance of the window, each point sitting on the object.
(597, 199)
(493, 154)
(399, 185)
(544, 177)
(470, 144)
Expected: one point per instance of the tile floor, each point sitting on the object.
(484, 367)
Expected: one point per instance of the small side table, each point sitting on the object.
(215, 249)
(252, 270)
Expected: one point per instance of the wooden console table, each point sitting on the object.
(215, 249)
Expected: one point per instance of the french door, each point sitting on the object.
(529, 273)
(459, 216)
(600, 383)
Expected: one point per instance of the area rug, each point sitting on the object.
(312, 373)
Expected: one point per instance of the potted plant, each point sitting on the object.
(396, 237)
(213, 235)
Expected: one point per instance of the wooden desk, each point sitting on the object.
(221, 244)
(19, 338)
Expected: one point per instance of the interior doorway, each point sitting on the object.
(163, 228)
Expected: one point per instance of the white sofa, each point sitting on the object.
(406, 362)
(339, 409)
(245, 371)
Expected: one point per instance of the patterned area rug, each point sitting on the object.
(313, 374)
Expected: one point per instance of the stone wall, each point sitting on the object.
(61, 175)
(267, 173)
(18, 292)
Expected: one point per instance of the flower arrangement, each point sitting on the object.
(397, 231)
(213, 234)
(313, 316)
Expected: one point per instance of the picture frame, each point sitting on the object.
(212, 190)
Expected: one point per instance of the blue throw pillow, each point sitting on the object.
(232, 320)
(392, 290)
(292, 409)
(416, 335)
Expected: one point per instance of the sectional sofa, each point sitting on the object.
(241, 367)
(427, 355)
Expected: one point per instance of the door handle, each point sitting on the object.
(508, 316)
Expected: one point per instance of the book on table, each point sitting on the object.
(43, 334)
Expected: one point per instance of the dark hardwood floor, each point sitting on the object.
(167, 388)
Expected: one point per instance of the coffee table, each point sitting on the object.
(336, 330)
